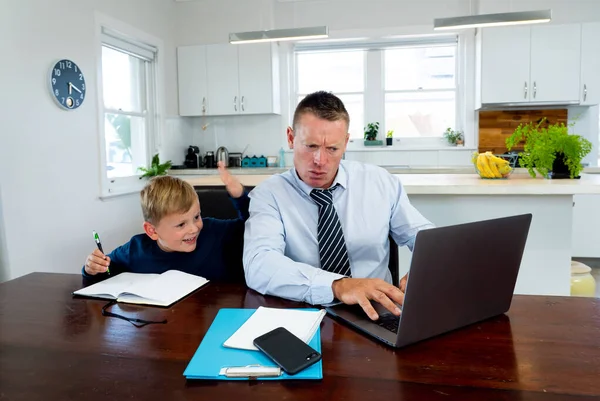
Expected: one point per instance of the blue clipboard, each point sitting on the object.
(213, 361)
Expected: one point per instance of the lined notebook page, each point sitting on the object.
(165, 289)
(300, 322)
(115, 285)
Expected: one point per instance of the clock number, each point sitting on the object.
(53, 81)
(82, 87)
(62, 100)
(56, 92)
(81, 77)
(75, 68)
(69, 64)
(57, 72)
(62, 65)
(77, 102)
(81, 96)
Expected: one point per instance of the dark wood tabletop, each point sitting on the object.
(54, 346)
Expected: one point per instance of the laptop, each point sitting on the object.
(459, 275)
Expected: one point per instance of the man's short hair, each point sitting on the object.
(164, 195)
(324, 105)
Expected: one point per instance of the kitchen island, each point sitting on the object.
(448, 199)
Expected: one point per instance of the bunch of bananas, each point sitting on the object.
(490, 166)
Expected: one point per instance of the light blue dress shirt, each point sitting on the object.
(281, 250)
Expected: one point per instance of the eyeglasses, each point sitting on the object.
(136, 322)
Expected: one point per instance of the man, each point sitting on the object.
(319, 231)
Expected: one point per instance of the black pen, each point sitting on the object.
(97, 239)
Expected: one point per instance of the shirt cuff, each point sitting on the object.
(320, 290)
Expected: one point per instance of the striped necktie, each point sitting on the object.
(332, 247)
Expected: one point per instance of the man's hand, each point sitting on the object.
(361, 291)
(402, 285)
(232, 184)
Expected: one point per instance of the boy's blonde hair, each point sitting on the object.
(165, 195)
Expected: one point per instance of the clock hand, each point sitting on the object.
(71, 86)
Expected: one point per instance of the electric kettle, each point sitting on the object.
(223, 155)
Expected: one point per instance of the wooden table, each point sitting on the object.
(56, 347)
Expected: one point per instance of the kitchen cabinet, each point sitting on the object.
(243, 79)
(192, 80)
(530, 64)
(590, 64)
(223, 82)
(505, 64)
(225, 79)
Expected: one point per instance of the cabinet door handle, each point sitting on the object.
(525, 90)
(534, 89)
(235, 103)
(204, 104)
(584, 92)
(242, 103)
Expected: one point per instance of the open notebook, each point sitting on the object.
(300, 322)
(145, 288)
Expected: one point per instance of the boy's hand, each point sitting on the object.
(232, 184)
(96, 263)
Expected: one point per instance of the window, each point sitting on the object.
(129, 108)
(342, 73)
(408, 86)
(420, 90)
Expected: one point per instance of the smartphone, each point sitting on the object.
(286, 350)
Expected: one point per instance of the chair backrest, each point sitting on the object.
(214, 202)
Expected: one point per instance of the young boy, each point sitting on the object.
(177, 237)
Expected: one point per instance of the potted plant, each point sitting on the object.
(389, 137)
(455, 138)
(156, 168)
(549, 149)
(371, 131)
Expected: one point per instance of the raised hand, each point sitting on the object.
(232, 184)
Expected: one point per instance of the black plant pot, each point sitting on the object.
(559, 168)
(388, 141)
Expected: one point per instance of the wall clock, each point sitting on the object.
(68, 84)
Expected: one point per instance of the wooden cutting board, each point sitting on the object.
(497, 125)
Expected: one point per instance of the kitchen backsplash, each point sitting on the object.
(497, 125)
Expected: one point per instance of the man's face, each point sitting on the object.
(318, 148)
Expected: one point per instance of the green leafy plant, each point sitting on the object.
(371, 131)
(390, 134)
(453, 137)
(544, 143)
(156, 168)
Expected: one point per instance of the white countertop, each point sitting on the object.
(457, 184)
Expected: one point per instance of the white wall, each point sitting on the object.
(50, 170)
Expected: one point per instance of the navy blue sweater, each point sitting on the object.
(217, 257)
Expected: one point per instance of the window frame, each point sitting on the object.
(375, 91)
(129, 38)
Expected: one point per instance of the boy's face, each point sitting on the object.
(177, 232)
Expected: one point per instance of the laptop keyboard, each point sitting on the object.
(389, 322)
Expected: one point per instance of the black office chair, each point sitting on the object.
(214, 202)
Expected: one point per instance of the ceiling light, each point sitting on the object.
(486, 20)
(276, 35)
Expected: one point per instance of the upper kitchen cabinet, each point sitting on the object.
(530, 64)
(223, 80)
(555, 63)
(504, 64)
(590, 64)
(192, 80)
(243, 79)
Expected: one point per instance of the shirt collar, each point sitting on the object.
(341, 178)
